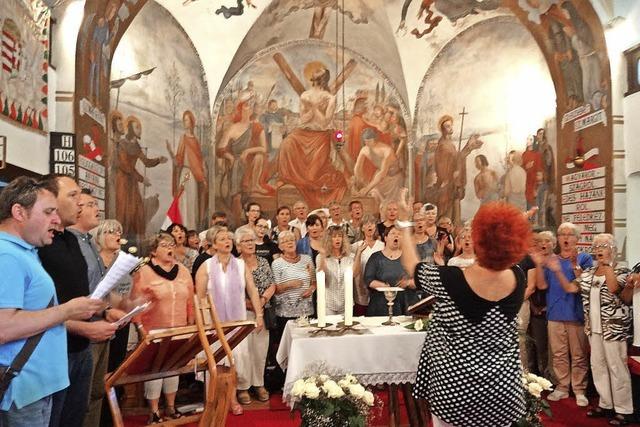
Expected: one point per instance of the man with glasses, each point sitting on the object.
(88, 219)
(565, 316)
(300, 210)
(66, 264)
(28, 304)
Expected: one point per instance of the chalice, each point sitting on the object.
(390, 294)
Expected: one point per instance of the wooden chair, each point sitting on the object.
(170, 352)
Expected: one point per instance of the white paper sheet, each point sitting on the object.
(122, 265)
(134, 312)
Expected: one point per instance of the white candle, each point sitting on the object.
(348, 296)
(321, 297)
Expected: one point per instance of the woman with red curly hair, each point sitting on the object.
(470, 368)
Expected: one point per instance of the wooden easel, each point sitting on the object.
(170, 352)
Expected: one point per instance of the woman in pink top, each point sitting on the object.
(168, 285)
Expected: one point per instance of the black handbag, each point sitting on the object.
(269, 314)
(8, 373)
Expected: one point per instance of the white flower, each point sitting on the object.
(532, 378)
(351, 379)
(368, 398)
(356, 390)
(418, 325)
(545, 383)
(311, 391)
(524, 381)
(132, 250)
(344, 383)
(123, 241)
(298, 388)
(535, 389)
(332, 389)
(323, 378)
(310, 380)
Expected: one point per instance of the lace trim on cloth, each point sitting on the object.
(366, 380)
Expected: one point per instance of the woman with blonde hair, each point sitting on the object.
(227, 280)
(334, 260)
(363, 249)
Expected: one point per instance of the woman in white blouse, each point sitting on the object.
(363, 249)
(335, 258)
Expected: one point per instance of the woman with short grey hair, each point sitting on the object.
(608, 318)
(257, 341)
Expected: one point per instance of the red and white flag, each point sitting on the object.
(10, 52)
(173, 213)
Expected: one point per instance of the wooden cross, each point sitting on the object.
(298, 86)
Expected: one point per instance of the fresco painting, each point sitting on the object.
(471, 142)
(158, 137)
(277, 122)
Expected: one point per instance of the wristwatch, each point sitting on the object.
(404, 224)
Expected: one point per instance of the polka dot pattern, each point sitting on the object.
(469, 372)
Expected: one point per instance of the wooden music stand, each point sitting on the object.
(170, 352)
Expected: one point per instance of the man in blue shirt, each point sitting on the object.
(28, 218)
(565, 317)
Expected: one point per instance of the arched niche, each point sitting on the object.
(499, 89)
(136, 103)
(272, 82)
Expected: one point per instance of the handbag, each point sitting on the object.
(8, 373)
(269, 313)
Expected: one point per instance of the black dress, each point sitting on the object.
(470, 368)
(379, 267)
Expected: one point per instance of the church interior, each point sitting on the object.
(190, 107)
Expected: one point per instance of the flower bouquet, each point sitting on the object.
(332, 401)
(534, 386)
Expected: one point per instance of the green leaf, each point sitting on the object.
(547, 412)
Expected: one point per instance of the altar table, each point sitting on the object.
(381, 354)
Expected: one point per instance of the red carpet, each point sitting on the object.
(565, 414)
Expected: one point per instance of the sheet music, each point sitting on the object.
(135, 311)
(122, 265)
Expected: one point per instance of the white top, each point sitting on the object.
(594, 300)
(224, 282)
(335, 280)
(458, 261)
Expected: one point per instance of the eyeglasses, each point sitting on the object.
(602, 246)
(113, 231)
(566, 235)
(262, 226)
(166, 245)
(245, 241)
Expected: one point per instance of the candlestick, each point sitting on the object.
(348, 296)
(321, 297)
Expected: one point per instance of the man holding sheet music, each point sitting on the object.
(88, 219)
(65, 263)
(28, 305)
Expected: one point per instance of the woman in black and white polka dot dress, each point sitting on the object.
(470, 370)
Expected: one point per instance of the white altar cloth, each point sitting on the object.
(385, 354)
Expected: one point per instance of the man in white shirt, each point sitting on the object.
(300, 210)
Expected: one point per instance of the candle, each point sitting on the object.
(321, 297)
(348, 296)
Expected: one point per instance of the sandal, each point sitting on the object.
(154, 418)
(236, 409)
(621, 420)
(599, 412)
(173, 413)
